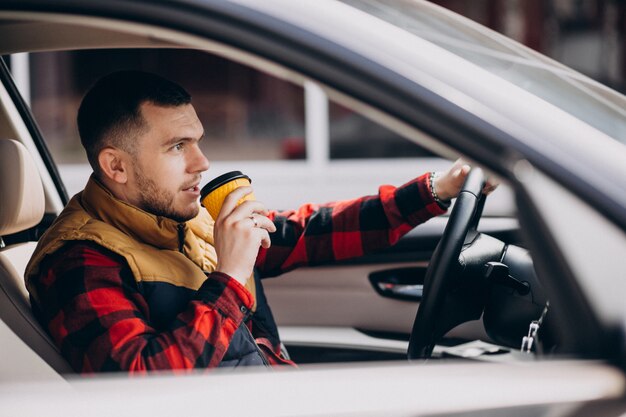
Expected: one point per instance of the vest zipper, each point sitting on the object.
(181, 237)
(258, 349)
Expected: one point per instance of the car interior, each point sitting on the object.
(382, 290)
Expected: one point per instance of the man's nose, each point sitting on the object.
(198, 162)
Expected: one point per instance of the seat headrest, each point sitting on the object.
(22, 200)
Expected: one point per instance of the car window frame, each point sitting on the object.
(33, 129)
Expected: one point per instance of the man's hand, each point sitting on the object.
(448, 184)
(239, 232)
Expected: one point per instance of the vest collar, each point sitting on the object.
(142, 226)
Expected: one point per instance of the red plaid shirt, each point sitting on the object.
(97, 315)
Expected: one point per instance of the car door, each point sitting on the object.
(364, 308)
(323, 312)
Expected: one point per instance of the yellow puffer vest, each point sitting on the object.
(155, 248)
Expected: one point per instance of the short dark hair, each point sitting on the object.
(110, 115)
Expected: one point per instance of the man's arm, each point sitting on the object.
(100, 321)
(317, 234)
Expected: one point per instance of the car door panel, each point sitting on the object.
(345, 295)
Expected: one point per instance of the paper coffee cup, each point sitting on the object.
(213, 194)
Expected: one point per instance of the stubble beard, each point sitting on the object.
(159, 202)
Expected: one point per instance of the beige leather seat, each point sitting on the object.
(22, 206)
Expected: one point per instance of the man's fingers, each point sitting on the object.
(490, 186)
(266, 242)
(235, 211)
(463, 171)
(263, 222)
(248, 207)
(231, 200)
(449, 183)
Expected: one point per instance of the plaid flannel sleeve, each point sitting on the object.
(317, 234)
(96, 315)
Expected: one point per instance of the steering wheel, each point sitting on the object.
(444, 267)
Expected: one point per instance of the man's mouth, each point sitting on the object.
(193, 188)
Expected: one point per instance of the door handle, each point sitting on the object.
(413, 291)
(399, 283)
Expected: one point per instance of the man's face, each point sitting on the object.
(168, 162)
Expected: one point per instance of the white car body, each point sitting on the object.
(591, 239)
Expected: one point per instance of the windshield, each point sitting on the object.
(576, 94)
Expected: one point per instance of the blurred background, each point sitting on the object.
(249, 115)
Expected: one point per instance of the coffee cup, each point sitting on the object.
(215, 191)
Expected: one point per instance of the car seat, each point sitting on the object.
(22, 206)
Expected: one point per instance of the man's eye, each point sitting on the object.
(178, 147)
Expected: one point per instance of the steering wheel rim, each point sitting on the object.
(443, 264)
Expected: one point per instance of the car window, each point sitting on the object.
(247, 114)
(578, 95)
(253, 121)
(352, 136)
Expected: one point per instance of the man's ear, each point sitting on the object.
(113, 165)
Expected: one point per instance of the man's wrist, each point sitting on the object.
(226, 294)
(438, 194)
(238, 276)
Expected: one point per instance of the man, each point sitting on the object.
(134, 276)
